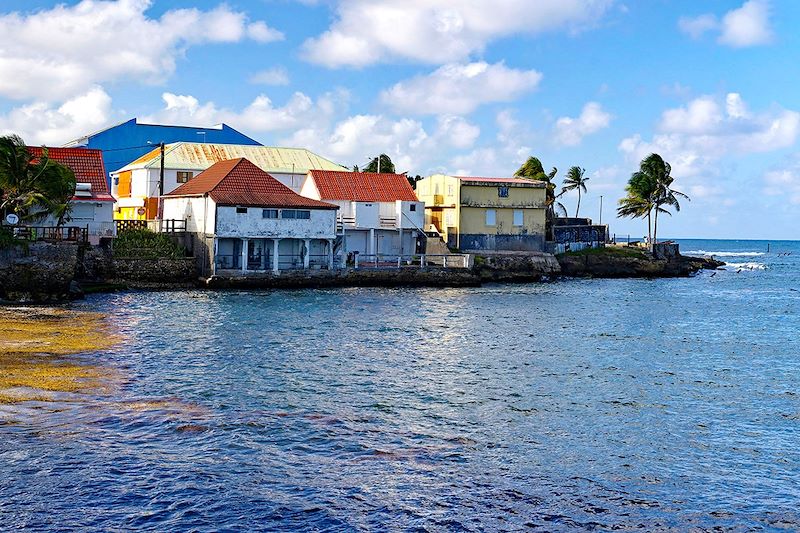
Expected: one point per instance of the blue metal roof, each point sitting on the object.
(130, 140)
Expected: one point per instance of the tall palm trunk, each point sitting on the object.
(655, 227)
(577, 209)
(649, 229)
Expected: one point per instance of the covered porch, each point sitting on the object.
(272, 255)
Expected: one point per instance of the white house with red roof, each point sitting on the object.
(379, 214)
(92, 205)
(248, 222)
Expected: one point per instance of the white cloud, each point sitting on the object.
(39, 123)
(273, 76)
(697, 26)
(459, 88)
(499, 159)
(456, 131)
(746, 26)
(696, 137)
(54, 54)
(261, 115)
(571, 131)
(438, 31)
(784, 183)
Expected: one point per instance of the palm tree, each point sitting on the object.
(33, 188)
(648, 190)
(386, 165)
(532, 169)
(575, 180)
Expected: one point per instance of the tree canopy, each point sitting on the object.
(386, 165)
(575, 180)
(649, 192)
(33, 187)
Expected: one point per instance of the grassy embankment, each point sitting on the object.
(39, 350)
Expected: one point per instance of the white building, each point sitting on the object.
(136, 185)
(92, 205)
(249, 222)
(379, 214)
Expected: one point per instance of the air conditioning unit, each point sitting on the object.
(83, 190)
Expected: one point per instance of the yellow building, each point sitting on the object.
(485, 213)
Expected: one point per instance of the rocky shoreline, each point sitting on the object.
(56, 272)
(618, 262)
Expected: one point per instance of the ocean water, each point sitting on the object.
(573, 405)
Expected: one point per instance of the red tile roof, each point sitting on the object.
(521, 181)
(86, 163)
(363, 186)
(240, 182)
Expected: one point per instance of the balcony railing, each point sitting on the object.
(52, 233)
(384, 262)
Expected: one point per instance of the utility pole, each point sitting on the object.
(161, 184)
(601, 209)
(379, 163)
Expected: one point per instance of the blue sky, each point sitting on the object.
(445, 86)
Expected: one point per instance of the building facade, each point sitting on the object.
(379, 214)
(485, 214)
(136, 185)
(132, 139)
(246, 222)
(92, 206)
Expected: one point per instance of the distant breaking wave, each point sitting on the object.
(725, 254)
(745, 266)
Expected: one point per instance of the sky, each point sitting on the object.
(452, 86)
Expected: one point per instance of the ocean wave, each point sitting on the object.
(724, 254)
(745, 266)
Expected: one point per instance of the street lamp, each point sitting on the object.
(203, 134)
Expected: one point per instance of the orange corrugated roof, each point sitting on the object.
(363, 186)
(85, 163)
(240, 182)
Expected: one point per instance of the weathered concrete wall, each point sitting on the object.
(430, 277)
(321, 225)
(491, 243)
(665, 250)
(155, 271)
(41, 272)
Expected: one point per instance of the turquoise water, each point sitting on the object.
(572, 405)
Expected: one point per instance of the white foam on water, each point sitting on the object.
(724, 254)
(745, 266)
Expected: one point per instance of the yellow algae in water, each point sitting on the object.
(37, 348)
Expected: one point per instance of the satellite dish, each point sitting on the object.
(12, 219)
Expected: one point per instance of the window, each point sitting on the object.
(491, 217)
(502, 192)
(241, 210)
(295, 214)
(269, 213)
(519, 217)
(183, 177)
(412, 207)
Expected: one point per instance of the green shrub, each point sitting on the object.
(146, 244)
(7, 239)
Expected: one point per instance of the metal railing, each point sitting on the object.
(51, 233)
(386, 261)
(167, 226)
(388, 222)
